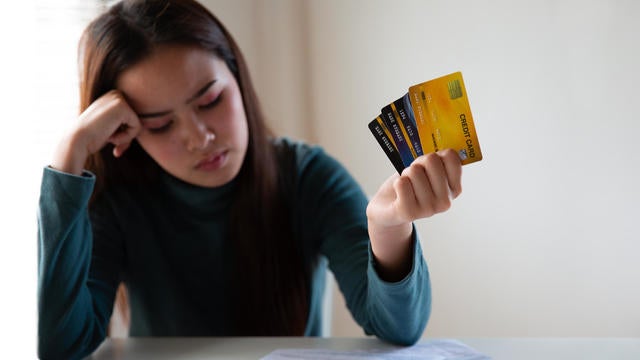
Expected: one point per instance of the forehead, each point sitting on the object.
(171, 72)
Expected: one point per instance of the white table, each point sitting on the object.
(257, 347)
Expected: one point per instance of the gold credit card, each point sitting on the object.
(443, 117)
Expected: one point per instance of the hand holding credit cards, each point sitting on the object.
(431, 116)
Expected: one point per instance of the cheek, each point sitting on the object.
(230, 121)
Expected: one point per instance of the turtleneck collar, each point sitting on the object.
(197, 198)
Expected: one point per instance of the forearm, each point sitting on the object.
(70, 156)
(392, 250)
(399, 311)
(424, 189)
(72, 313)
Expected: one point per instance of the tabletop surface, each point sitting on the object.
(257, 347)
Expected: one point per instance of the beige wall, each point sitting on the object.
(543, 241)
(272, 35)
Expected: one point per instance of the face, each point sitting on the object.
(192, 114)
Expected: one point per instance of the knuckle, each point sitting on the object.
(431, 159)
(397, 183)
(448, 153)
(411, 170)
(442, 205)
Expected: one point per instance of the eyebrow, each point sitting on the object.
(199, 93)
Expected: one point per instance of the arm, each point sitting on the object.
(424, 189)
(332, 207)
(75, 289)
(77, 277)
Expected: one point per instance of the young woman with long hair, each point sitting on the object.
(172, 185)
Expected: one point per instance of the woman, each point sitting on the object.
(172, 184)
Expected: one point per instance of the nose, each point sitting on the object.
(197, 135)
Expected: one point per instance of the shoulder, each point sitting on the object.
(312, 171)
(297, 150)
(303, 158)
(120, 202)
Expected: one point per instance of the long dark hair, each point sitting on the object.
(271, 293)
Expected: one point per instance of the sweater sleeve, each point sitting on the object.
(333, 209)
(75, 289)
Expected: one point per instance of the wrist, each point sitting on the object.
(393, 232)
(70, 156)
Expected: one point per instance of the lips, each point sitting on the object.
(213, 161)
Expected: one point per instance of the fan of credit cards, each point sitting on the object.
(433, 115)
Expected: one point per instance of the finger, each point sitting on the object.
(435, 170)
(453, 168)
(128, 119)
(420, 183)
(122, 139)
(120, 149)
(124, 133)
(406, 204)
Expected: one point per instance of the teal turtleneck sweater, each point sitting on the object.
(171, 249)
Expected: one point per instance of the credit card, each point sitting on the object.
(443, 117)
(398, 134)
(405, 115)
(383, 136)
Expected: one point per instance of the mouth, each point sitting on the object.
(213, 161)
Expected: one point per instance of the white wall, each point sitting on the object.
(18, 180)
(543, 240)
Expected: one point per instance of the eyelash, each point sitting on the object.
(166, 127)
(161, 129)
(212, 103)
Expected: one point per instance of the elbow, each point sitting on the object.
(409, 340)
(404, 339)
(411, 330)
(50, 349)
(59, 345)
(406, 335)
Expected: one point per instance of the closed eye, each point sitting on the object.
(212, 104)
(161, 129)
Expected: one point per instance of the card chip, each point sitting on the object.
(455, 90)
